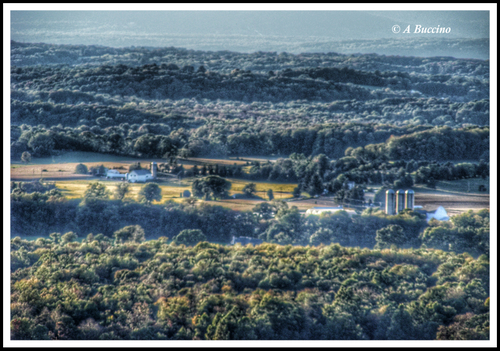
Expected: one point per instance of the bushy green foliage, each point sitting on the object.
(96, 191)
(250, 189)
(273, 222)
(130, 289)
(132, 233)
(211, 187)
(41, 186)
(150, 192)
(270, 194)
(68, 237)
(190, 237)
(81, 169)
(467, 232)
(121, 191)
(26, 157)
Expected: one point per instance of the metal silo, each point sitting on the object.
(400, 201)
(390, 202)
(154, 169)
(410, 199)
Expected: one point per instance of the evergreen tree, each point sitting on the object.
(315, 186)
(270, 194)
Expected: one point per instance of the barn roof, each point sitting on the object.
(440, 214)
(141, 172)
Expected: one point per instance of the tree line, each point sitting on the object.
(274, 221)
(30, 54)
(440, 144)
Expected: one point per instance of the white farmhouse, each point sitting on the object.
(139, 176)
(113, 173)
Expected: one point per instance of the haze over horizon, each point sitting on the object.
(250, 31)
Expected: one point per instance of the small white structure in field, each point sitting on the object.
(113, 173)
(139, 176)
(319, 210)
(440, 214)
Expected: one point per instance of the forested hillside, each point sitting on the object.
(221, 103)
(153, 290)
(108, 265)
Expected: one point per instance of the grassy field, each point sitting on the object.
(262, 187)
(220, 161)
(63, 167)
(456, 196)
(76, 188)
(469, 186)
(233, 160)
(171, 189)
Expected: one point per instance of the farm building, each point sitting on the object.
(113, 173)
(440, 214)
(319, 210)
(243, 240)
(139, 176)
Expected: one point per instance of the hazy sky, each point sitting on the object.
(341, 25)
(248, 31)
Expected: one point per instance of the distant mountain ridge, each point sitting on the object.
(249, 31)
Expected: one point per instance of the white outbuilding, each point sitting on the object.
(440, 214)
(113, 173)
(319, 210)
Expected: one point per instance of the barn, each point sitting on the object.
(139, 176)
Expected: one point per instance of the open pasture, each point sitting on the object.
(63, 167)
(77, 188)
(455, 196)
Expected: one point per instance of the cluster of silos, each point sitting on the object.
(396, 202)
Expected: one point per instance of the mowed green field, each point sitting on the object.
(61, 170)
(262, 187)
(171, 190)
(456, 196)
(72, 189)
(464, 185)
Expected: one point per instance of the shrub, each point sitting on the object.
(190, 237)
(81, 169)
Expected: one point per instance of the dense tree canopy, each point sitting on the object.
(105, 269)
(211, 187)
(99, 289)
(150, 192)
